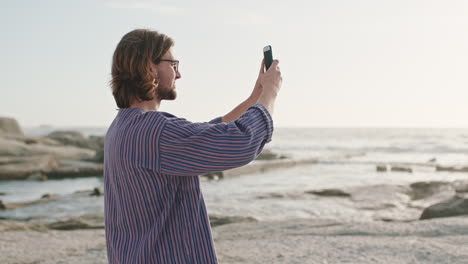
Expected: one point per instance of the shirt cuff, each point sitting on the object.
(268, 119)
(216, 120)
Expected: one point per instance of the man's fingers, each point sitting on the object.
(262, 67)
(274, 64)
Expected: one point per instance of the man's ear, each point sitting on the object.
(154, 69)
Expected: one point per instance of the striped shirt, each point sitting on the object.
(154, 208)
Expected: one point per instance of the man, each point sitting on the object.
(154, 208)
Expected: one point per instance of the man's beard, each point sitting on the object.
(166, 94)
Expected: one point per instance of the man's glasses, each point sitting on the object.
(176, 63)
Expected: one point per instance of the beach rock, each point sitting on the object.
(452, 169)
(47, 198)
(77, 139)
(44, 167)
(31, 140)
(421, 190)
(458, 205)
(425, 194)
(21, 225)
(15, 205)
(18, 147)
(20, 168)
(270, 195)
(70, 138)
(461, 186)
(401, 169)
(97, 142)
(76, 168)
(86, 221)
(10, 126)
(432, 160)
(380, 196)
(267, 154)
(37, 176)
(381, 168)
(11, 147)
(213, 176)
(41, 158)
(330, 192)
(97, 191)
(217, 220)
(98, 157)
(74, 224)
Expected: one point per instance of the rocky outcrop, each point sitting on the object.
(422, 190)
(379, 196)
(22, 147)
(31, 140)
(59, 155)
(217, 220)
(76, 168)
(45, 167)
(457, 205)
(271, 196)
(401, 169)
(403, 203)
(20, 168)
(15, 205)
(10, 126)
(460, 186)
(47, 198)
(330, 192)
(88, 221)
(395, 168)
(381, 168)
(77, 139)
(452, 169)
(267, 154)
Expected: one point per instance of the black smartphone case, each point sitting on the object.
(268, 56)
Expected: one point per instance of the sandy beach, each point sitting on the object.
(292, 241)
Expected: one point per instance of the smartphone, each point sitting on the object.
(268, 56)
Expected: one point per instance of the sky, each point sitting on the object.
(344, 63)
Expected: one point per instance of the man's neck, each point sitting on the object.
(152, 105)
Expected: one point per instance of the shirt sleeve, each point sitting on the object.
(190, 149)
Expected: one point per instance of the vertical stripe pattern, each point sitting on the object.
(154, 207)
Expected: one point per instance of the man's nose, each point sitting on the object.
(178, 75)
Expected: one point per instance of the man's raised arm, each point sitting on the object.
(239, 110)
(253, 98)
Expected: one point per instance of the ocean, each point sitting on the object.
(280, 194)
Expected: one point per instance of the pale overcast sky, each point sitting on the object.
(372, 63)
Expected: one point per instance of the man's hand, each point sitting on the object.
(271, 82)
